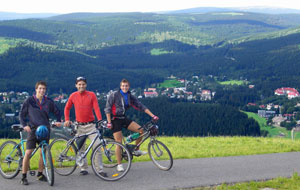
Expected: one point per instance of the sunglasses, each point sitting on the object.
(80, 79)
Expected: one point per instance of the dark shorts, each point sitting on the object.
(32, 140)
(118, 124)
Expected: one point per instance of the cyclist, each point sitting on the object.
(36, 109)
(117, 103)
(84, 103)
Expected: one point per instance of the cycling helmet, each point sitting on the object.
(154, 130)
(42, 132)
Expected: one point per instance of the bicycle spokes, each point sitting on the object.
(105, 161)
(64, 156)
(10, 159)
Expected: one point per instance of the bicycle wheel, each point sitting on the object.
(104, 161)
(10, 159)
(64, 156)
(48, 163)
(160, 155)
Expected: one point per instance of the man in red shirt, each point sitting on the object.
(84, 103)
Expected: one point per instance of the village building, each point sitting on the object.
(286, 91)
(150, 94)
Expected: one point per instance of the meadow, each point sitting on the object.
(273, 131)
(156, 51)
(170, 84)
(203, 147)
(233, 82)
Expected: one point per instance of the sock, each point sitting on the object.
(24, 176)
(40, 173)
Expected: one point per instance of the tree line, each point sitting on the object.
(176, 119)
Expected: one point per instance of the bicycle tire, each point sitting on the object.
(111, 172)
(64, 157)
(48, 163)
(6, 169)
(160, 159)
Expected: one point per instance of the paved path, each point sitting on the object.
(185, 173)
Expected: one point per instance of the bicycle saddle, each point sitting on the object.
(17, 127)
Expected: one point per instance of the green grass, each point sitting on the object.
(273, 131)
(233, 82)
(156, 51)
(279, 183)
(197, 147)
(170, 84)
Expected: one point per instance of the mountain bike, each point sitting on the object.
(66, 154)
(158, 152)
(11, 157)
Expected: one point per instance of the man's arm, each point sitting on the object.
(24, 113)
(109, 104)
(107, 110)
(55, 111)
(136, 104)
(139, 106)
(67, 110)
(147, 111)
(96, 107)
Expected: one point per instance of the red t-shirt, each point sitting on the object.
(84, 104)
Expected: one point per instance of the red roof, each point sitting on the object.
(205, 91)
(150, 93)
(293, 94)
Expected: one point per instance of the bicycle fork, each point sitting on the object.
(155, 148)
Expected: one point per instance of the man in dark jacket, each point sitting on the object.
(117, 104)
(36, 110)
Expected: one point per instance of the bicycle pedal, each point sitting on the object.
(32, 173)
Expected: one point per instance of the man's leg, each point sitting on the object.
(41, 163)
(118, 136)
(135, 128)
(81, 131)
(25, 167)
(98, 158)
(40, 175)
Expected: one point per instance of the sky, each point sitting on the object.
(69, 6)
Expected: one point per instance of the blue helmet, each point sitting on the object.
(42, 132)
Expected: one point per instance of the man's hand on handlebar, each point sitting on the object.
(58, 124)
(27, 129)
(109, 125)
(67, 123)
(155, 118)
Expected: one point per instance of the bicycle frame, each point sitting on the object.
(98, 136)
(145, 136)
(21, 145)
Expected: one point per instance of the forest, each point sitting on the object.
(176, 119)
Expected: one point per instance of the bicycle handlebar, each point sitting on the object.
(145, 126)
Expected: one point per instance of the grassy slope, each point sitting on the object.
(233, 82)
(170, 84)
(156, 51)
(273, 131)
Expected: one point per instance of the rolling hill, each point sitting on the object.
(89, 31)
